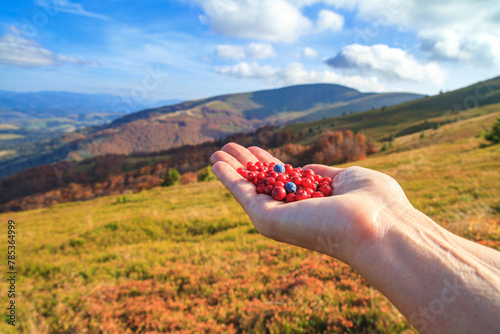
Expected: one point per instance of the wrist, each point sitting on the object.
(427, 274)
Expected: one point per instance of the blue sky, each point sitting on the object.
(183, 49)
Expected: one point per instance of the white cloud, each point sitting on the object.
(458, 30)
(328, 20)
(69, 7)
(270, 20)
(254, 51)
(260, 51)
(19, 51)
(229, 52)
(295, 73)
(309, 52)
(389, 63)
(478, 49)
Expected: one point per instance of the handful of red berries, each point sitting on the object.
(285, 182)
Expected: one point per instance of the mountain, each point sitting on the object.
(431, 118)
(60, 104)
(194, 122)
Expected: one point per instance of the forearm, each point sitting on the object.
(433, 277)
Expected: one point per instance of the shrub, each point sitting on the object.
(173, 176)
(206, 175)
(493, 136)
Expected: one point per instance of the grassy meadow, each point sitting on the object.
(187, 259)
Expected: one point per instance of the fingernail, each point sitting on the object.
(212, 159)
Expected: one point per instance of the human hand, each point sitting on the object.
(369, 224)
(344, 225)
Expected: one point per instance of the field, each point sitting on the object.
(9, 136)
(188, 259)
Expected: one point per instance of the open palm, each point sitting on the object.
(343, 225)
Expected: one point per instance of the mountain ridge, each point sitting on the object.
(198, 121)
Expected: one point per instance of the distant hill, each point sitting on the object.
(195, 122)
(60, 104)
(26, 118)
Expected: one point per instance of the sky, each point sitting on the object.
(185, 50)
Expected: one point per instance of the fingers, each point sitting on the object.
(263, 155)
(323, 170)
(227, 158)
(239, 153)
(241, 189)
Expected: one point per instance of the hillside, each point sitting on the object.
(418, 115)
(186, 258)
(297, 143)
(195, 122)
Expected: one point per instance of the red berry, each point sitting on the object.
(318, 178)
(265, 164)
(293, 174)
(307, 184)
(279, 193)
(261, 176)
(290, 197)
(269, 189)
(317, 194)
(326, 190)
(308, 172)
(250, 176)
(327, 179)
(242, 172)
(258, 164)
(281, 178)
(297, 180)
(273, 174)
(249, 164)
(309, 191)
(310, 177)
(254, 168)
(255, 181)
(288, 168)
(301, 195)
(271, 181)
(261, 188)
(279, 184)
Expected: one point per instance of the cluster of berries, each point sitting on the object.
(285, 182)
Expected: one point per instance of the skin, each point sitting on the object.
(440, 282)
